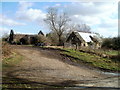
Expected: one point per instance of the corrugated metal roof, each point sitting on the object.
(86, 36)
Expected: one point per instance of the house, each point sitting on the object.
(23, 38)
(83, 39)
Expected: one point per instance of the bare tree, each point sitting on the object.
(79, 28)
(83, 28)
(57, 22)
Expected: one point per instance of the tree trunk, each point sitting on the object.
(60, 40)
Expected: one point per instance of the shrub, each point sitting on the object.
(111, 43)
(116, 43)
(53, 38)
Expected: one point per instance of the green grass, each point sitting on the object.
(108, 52)
(92, 60)
(112, 52)
(100, 51)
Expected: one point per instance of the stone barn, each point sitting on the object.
(82, 39)
(23, 38)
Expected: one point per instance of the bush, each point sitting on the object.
(42, 39)
(53, 38)
(116, 43)
(111, 43)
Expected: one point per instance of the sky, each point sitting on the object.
(28, 17)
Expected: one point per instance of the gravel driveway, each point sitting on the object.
(45, 66)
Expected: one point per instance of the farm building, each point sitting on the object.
(23, 38)
(82, 39)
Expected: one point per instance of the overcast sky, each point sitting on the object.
(26, 17)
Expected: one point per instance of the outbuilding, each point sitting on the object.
(83, 39)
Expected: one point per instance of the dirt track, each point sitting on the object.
(45, 66)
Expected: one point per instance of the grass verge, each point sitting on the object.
(12, 60)
(93, 60)
(8, 63)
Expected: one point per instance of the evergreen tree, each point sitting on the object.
(11, 36)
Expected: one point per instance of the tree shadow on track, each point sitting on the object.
(11, 81)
